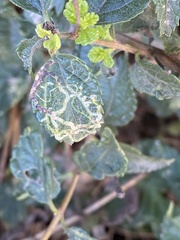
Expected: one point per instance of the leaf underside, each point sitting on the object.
(66, 99)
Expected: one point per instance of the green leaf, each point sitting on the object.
(76, 233)
(37, 6)
(90, 19)
(102, 158)
(87, 36)
(118, 96)
(53, 44)
(113, 11)
(41, 32)
(26, 49)
(104, 32)
(36, 172)
(170, 228)
(82, 53)
(168, 14)
(145, 20)
(69, 11)
(98, 54)
(139, 163)
(108, 61)
(66, 99)
(153, 80)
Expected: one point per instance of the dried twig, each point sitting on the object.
(62, 208)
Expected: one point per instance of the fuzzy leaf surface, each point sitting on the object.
(170, 228)
(140, 163)
(66, 99)
(168, 14)
(113, 11)
(26, 49)
(76, 233)
(118, 96)
(153, 80)
(103, 157)
(36, 172)
(37, 6)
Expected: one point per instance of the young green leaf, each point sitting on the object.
(37, 6)
(139, 163)
(26, 49)
(53, 44)
(118, 96)
(153, 80)
(87, 36)
(66, 99)
(98, 54)
(116, 10)
(90, 19)
(170, 228)
(76, 233)
(36, 172)
(69, 11)
(168, 14)
(103, 157)
(104, 32)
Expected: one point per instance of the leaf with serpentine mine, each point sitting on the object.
(66, 99)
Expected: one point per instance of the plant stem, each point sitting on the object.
(52, 207)
(109, 197)
(62, 208)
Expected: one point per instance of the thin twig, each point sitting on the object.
(134, 46)
(109, 197)
(94, 207)
(62, 208)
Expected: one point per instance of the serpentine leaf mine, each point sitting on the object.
(66, 98)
